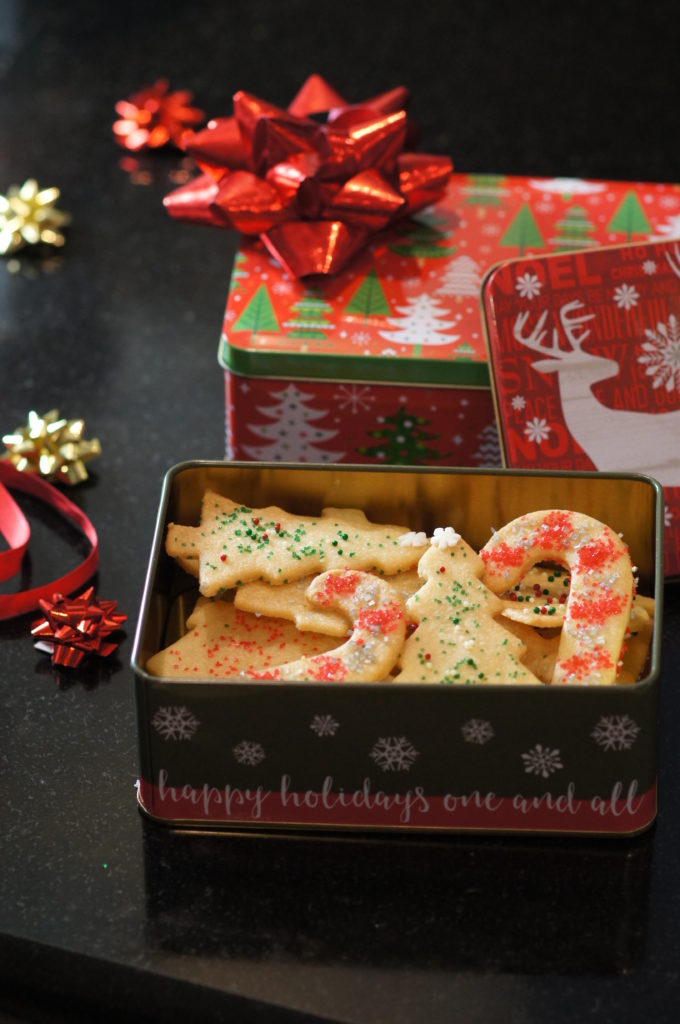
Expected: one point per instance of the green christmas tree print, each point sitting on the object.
(401, 442)
(369, 298)
(421, 241)
(310, 321)
(523, 231)
(238, 272)
(484, 190)
(258, 315)
(629, 217)
(573, 230)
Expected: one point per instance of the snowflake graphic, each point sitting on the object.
(282, 287)
(541, 761)
(649, 267)
(662, 357)
(626, 296)
(528, 285)
(353, 397)
(615, 732)
(537, 430)
(248, 752)
(667, 516)
(669, 202)
(393, 753)
(477, 731)
(518, 402)
(491, 229)
(361, 337)
(386, 352)
(324, 725)
(175, 723)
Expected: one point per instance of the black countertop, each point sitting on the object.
(101, 911)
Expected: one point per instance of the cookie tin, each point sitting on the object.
(384, 363)
(584, 351)
(492, 758)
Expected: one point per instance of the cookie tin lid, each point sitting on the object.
(407, 308)
(584, 352)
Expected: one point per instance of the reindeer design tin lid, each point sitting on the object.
(584, 353)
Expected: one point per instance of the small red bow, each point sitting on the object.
(76, 626)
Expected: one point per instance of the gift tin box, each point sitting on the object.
(584, 350)
(518, 758)
(385, 361)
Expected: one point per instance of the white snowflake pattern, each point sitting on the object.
(175, 723)
(393, 753)
(615, 732)
(248, 752)
(649, 267)
(353, 397)
(324, 725)
(667, 516)
(541, 761)
(537, 430)
(282, 287)
(361, 337)
(528, 285)
(519, 402)
(662, 357)
(477, 730)
(626, 296)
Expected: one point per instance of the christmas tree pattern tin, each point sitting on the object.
(385, 362)
(424, 756)
(584, 350)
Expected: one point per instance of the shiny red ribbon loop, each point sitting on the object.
(16, 531)
(314, 192)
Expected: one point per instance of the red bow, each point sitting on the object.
(76, 626)
(315, 193)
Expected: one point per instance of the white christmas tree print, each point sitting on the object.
(671, 229)
(462, 277)
(626, 296)
(324, 725)
(541, 761)
(615, 732)
(667, 516)
(489, 451)
(421, 323)
(393, 753)
(175, 723)
(567, 186)
(662, 355)
(477, 730)
(248, 752)
(292, 436)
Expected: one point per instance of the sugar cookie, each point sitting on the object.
(600, 598)
(235, 544)
(222, 642)
(378, 619)
(457, 639)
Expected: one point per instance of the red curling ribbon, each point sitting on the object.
(314, 192)
(16, 531)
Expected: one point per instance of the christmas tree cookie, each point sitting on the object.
(457, 639)
(222, 642)
(235, 544)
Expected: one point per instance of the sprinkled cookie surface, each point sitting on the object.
(222, 642)
(601, 592)
(376, 612)
(457, 639)
(235, 544)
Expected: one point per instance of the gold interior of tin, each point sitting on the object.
(473, 501)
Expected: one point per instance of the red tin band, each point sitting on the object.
(16, 531)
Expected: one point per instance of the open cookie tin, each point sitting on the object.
(511, 758)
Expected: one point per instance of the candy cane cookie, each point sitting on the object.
(376, 612)
(598, 608)
(457, 638)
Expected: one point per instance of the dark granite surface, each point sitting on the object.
(101, 912)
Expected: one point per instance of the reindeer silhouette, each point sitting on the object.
(613, 439)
